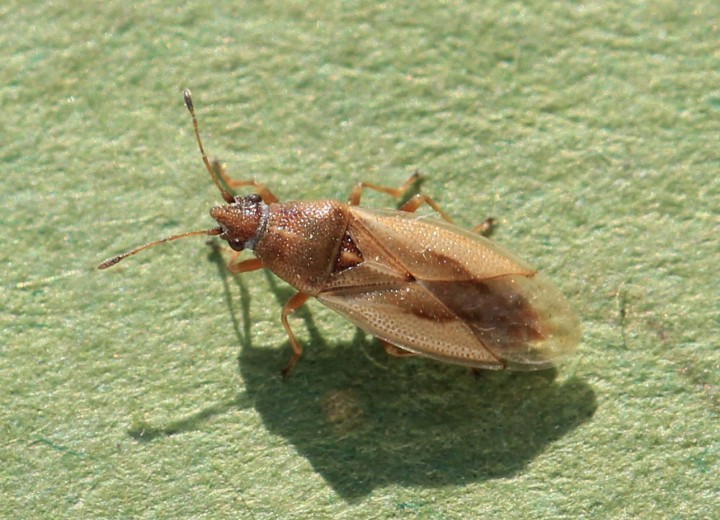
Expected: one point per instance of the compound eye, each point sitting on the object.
(254, 198)
(236, 245)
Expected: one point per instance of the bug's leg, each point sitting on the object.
(485, 228)
(268, 197)
(356, 192)
(251, 264)
(418, 200)
(291, 306)
(410, 206)
(234, 265)
(477, 373)
(394, 350)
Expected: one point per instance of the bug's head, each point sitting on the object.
(242, 221)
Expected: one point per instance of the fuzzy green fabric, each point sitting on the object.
(591, 131)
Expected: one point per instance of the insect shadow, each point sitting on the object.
(366, 420)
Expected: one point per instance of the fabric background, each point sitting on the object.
(152, 390)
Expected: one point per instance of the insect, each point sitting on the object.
(422, 286)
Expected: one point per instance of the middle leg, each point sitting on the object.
(410, 206)
(356, 192)
(291, 306)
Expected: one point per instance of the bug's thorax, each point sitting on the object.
(301, 241)
(243, 222)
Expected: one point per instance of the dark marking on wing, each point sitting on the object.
(459, 271)
(497, 313)
(427, 309)
(494, 308)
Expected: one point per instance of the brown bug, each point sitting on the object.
(422, 286)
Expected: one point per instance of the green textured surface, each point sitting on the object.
(590, 130)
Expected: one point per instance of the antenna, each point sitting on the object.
(115, 259)
(226, 195)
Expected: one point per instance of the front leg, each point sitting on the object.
(268, 197)
(244, 266)
(235, 265)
